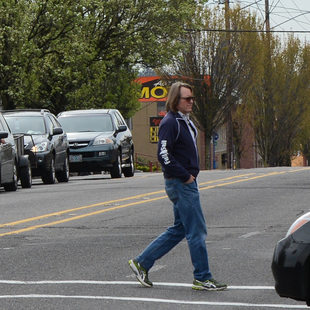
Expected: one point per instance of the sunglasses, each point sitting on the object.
(188, 99)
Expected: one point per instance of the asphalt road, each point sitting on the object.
(66, 246)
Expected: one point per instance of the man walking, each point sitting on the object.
(178, 155)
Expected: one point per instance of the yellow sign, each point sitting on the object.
(152, 89)
(158, 92)
(154, 134)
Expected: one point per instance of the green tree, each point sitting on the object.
(11, 41)
(279, 102)
(85, 53)
(303, 141)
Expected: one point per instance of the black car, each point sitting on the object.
(291, 261)
(99, 140)
(44, 141)
(14, 165)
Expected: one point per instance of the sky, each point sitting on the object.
(285, 15)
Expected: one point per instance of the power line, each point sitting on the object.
(249, 5)
(292, 18)
(279, 15)
(260, 3)
(257, 31)
(274, 6)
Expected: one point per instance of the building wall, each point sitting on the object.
(141, 132)
(218, 147)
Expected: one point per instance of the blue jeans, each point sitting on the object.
(189, 222)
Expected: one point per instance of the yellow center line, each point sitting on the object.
(78, 209)
(229, 178)
(244, 180)
(102, 204)
(122, 206)
(79, 216)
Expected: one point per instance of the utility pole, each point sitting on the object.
(229, 127)
(267, 16)
(269, 113)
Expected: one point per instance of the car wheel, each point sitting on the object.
(129, 171)
(48, 176)
(12, 186)
(116, 171)
(26, 176)
(64, 174)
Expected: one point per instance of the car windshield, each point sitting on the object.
(82, 123)
(32, 125)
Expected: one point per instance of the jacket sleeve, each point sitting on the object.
(167, 135)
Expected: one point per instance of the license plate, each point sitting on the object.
(75, 158)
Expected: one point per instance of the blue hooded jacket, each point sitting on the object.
(177, 149)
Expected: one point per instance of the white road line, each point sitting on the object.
(233, 287)
(156, 300)
(248, 235)
(138, 299)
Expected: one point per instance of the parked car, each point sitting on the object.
(45, 142)
(14, 165)
(291, 261)
(99, 141)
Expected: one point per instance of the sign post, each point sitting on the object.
(215, 137)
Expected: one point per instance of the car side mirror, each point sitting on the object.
(3, 134)
(121, 128)
(57, 131)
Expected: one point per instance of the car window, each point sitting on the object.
(50, 125)
(5, 125)
(119, 119)
(82, 123)
(54, 121)
(2, 128)
(33, 125)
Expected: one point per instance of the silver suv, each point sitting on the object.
(99, 140)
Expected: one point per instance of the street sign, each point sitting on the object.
(215, 136)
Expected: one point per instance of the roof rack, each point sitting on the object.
(27, 110)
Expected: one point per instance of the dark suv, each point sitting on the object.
(44, 141)
(99, 141)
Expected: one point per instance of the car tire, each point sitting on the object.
(49, 175)
(12, 186)
(26, 176)
(64, 174)
(129, 171)
(116, 171)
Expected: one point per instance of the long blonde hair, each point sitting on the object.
(174, 95)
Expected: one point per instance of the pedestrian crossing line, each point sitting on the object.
(156, 300)
(47, 282)
(139, 299)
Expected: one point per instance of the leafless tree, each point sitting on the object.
(218, 65)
